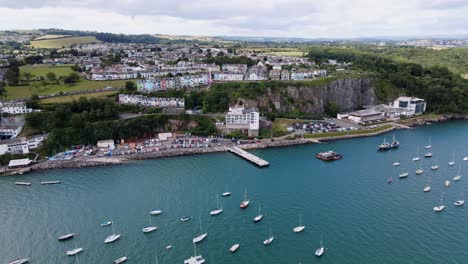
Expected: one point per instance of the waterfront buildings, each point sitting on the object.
(411, 105)
(245, 120)
(20, 145)
(15, 108)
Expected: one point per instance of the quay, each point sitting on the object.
(248, 156)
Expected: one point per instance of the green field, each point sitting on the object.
(42, 70)
(70, 98)
(15, 92)
(58, 43)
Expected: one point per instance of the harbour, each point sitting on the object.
(361, 217)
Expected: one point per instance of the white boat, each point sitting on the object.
(259, 217)
(428, 146)
(427, 188)
(219, 210)
(66, 237)
(435, 167)
(184, 218)
(269, 239)
(428, 154)
(156, 212)
(168, 246)
(419, 171)
(50, 182)
(447, 183)
(120, 260)
(246, 202)
(195, 259)
(319, 252)
(149, 228)
(75, 251)
(226, 193)
(396, 164)
(23, 183)
(417, 158)
(458, 176)
(465, 158)
(451, 163)
(112, 237)
(403, 174)
(20, 261)
(234, 248)
(201, 236)
(459, 203)
(441, 207)
(299, 228)
(107, 223)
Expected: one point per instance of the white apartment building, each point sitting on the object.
(411, 105)
(245, 120)
(20, 145)
(15, 108)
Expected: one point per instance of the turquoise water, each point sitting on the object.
(363, 219)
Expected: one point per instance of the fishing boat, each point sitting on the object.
(387, 146)
(403, 175)
(66, 237)
(23, 183)
(441, 207)
(458, 176)
(149, 228)
(201, 236)
(50, 182)
(120, 260)
(195, 259)
(428, 146)
(184, 218)
(226, 193)
(75, 251)
(319, 252)
(107, 223)
(112, 237)
(328, 156)
(20, 261)
(269, 239)
(417, 158)
(300, 227)
(246, 202)
(219, 210)
(396, 163)
(259, 217)
(234, 248)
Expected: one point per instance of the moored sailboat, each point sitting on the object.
(202, 235)
(219, 208)
(195, 259)
(259, 217)
(112, 237)
(319, 252)
(269, 239)
(246, 202)
(458, 176)
(300, 227)
(149, 228)
(441, 207)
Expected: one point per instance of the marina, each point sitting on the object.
(335, 199)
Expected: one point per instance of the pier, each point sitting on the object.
(248, 156)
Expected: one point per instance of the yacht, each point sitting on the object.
(246, 202)
(23, 183)
(66, 237)
(149, 228)
(417, 158)
(299, 228)
(319, 252)
(435, 167)
(234, 248)
(428, 146)
(201, 236)
(226, 193)
(269, 239)
(459, 203)
(120, 260)
(195, 259)
(419, 171)
(403, 175)
(428, 154)
(396, 163)
(219, 210)
(427, 188)
(112, 237)
(20, 261)
(156, 212)
(106, 223)
(259, 217)
(185, 218)
(441, 207)
(74, 251)
(458, 176)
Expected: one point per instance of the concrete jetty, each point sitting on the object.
(248, 156)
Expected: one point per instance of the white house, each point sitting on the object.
(15, 108)
(245, 120)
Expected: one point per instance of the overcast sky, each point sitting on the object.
(275, 18)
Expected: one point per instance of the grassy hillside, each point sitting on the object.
(57, 43)
(42, 70)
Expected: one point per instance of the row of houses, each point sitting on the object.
(402, 107)
(170, 83)
(15, 108)
(159, 102)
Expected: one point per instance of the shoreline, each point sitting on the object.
(106, 161)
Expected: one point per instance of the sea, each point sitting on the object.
(347, 203)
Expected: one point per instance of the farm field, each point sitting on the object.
(57, 43)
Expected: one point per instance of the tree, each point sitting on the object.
(2, 89)
(130, 86)
(51, 76)
(72, 78)
(27, 76)
(33, 102)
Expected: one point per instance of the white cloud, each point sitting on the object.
(286, 18)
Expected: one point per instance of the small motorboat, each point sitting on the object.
(107, 223)
(416, 158)
(74, 251)
(20, 261)
(66, 237)
(23, 183)
(428, 155)
(419, 171)
(168, 246)
(427, 188)
(459, 203)
(120, 260)
(396, 164)
(457, 178)
(226, 194)
(435, 167)
(451, 163)
(234, 248)
(404, 175)
(465, 158)
(447, 183)
(112, 238)
(390, 180)
(184, 218)
(149, 229)
(156, 212)
(50, 182)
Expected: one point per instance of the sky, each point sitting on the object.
(255, 18)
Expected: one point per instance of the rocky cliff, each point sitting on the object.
(346, 94)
